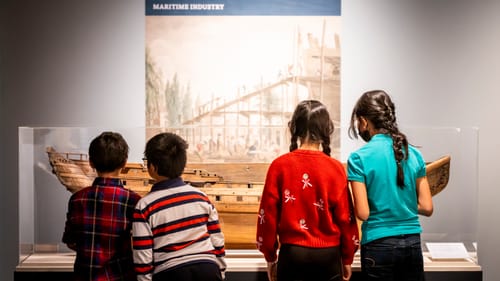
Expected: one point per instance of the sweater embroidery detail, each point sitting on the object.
(305, 180)
(320, 204)
(303, 224)
(289, 197)
(355, 240)
(261, 216)
(259, 242)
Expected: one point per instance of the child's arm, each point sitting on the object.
(69, 233)
(346, 220)
(217, 238)
(267, 219)
(425, 206)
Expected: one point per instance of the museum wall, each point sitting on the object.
(440, 61)
(81, 63)
(64, 63)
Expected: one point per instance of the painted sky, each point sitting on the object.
(219, 54)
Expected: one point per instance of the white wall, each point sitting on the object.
(81, 63)
(440, 61)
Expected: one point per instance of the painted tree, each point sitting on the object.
(187, 103)
(153, 90)
(173, 100)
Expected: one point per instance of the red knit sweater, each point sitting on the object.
(306, 202)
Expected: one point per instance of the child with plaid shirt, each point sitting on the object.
(99, 218)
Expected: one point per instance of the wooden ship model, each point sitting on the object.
(233, 188)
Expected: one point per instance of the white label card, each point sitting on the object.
(447, 250)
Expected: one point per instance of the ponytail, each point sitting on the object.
(293, 143)
(400, 146)
(326, 146)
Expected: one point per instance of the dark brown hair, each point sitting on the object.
(311, 122)
(108, 152)
(167, 152)
(378, 107)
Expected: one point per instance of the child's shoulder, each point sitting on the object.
(282, 158)
(82, 192)
(134, 195)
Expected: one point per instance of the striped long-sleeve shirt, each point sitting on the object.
(175, 225)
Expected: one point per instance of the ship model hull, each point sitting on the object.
(233, 188)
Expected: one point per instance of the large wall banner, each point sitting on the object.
(226, 75)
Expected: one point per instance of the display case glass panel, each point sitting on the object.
(43, 198)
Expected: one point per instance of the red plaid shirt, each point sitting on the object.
(98, 228)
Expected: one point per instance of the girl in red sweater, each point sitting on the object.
(306, 209)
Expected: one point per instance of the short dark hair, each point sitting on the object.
(108, 152)
(167, 152)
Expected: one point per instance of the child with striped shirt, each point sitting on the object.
(176, 231)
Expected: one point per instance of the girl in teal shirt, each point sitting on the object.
(390, 188)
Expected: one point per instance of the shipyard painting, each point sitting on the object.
(228, 84)
(226, 77)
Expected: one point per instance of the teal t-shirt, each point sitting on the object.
(393, 210)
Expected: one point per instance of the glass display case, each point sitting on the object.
(43, 196)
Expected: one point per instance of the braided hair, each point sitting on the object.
(311, 122)
(377, 107)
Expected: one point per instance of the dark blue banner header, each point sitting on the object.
(243, 7)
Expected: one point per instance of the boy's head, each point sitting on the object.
(108, 152)
(167, 152)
